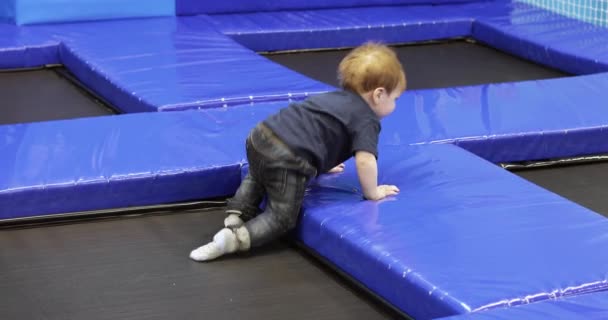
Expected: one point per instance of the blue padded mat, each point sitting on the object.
(172, 64)
(272, 31)
(188, 7)
(7, 11)
(119, 161)
(26, 48)
(593, 306)
(530, 32)
(545, 37)
(499, 122)
(462, 236)
(486, 120)
(507, 122)
(126, 160)
(49, 11)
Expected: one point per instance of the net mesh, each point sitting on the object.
(592, 11)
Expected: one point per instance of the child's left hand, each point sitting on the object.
(337, 169)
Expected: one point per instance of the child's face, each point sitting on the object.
(384, 103)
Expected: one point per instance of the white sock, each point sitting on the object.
(233, 221)
(225, 241)
(242, 235)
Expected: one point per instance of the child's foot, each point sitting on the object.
(242, 236)
(225, 241)
(233, 221)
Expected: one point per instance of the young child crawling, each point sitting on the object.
(305, 139)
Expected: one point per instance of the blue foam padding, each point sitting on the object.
(545, 37)
(167, 64)
(190, 7)
(462, 236)
(533, 33)
(26, 48)
(487, 120)
(51, 11)
(7, 11)
(346, 27)
(117, 161)
(593, 306)
(507, 122)
(499, 122)
(126, 160)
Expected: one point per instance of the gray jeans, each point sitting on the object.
(277, 173)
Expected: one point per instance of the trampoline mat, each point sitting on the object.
(138, 268)
(585, 184)
(42, 95)
(433, 65)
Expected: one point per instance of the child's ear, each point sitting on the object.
(378, 92)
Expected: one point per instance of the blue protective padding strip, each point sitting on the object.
(7, 11)
(507, 122)
(452, 241)
(189, 7)
(126, 160)
(292, 30)
(498, 122)
(530, 32)
(487, 119)
(592, 306)
(484, 119)
(49, 11)
(118, 161)
(26, 48)
(167, 64)
(545, 37)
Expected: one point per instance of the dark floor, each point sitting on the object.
(138, 268)
(41, 95)
(585, 184)
(436, 65)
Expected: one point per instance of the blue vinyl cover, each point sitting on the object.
(545, 37)
(7, 11)
(25, 48)
(462, 236)
(507, 122)
(190, 7)
(48, 11)
(593, 306)
(126, 160)
(527, 31)
(347, 27)
(498, 122)
(167, 64)
(117, 161)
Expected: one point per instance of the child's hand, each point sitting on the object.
(337, 169)
(384, 191)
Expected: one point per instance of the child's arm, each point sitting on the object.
(367, 169)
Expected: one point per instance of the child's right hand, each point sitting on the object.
(384, 191)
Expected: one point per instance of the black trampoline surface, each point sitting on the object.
(585, 184)
(42, 95)
(433, 65)
(138, 268)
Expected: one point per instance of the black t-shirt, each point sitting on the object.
(327, 129)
